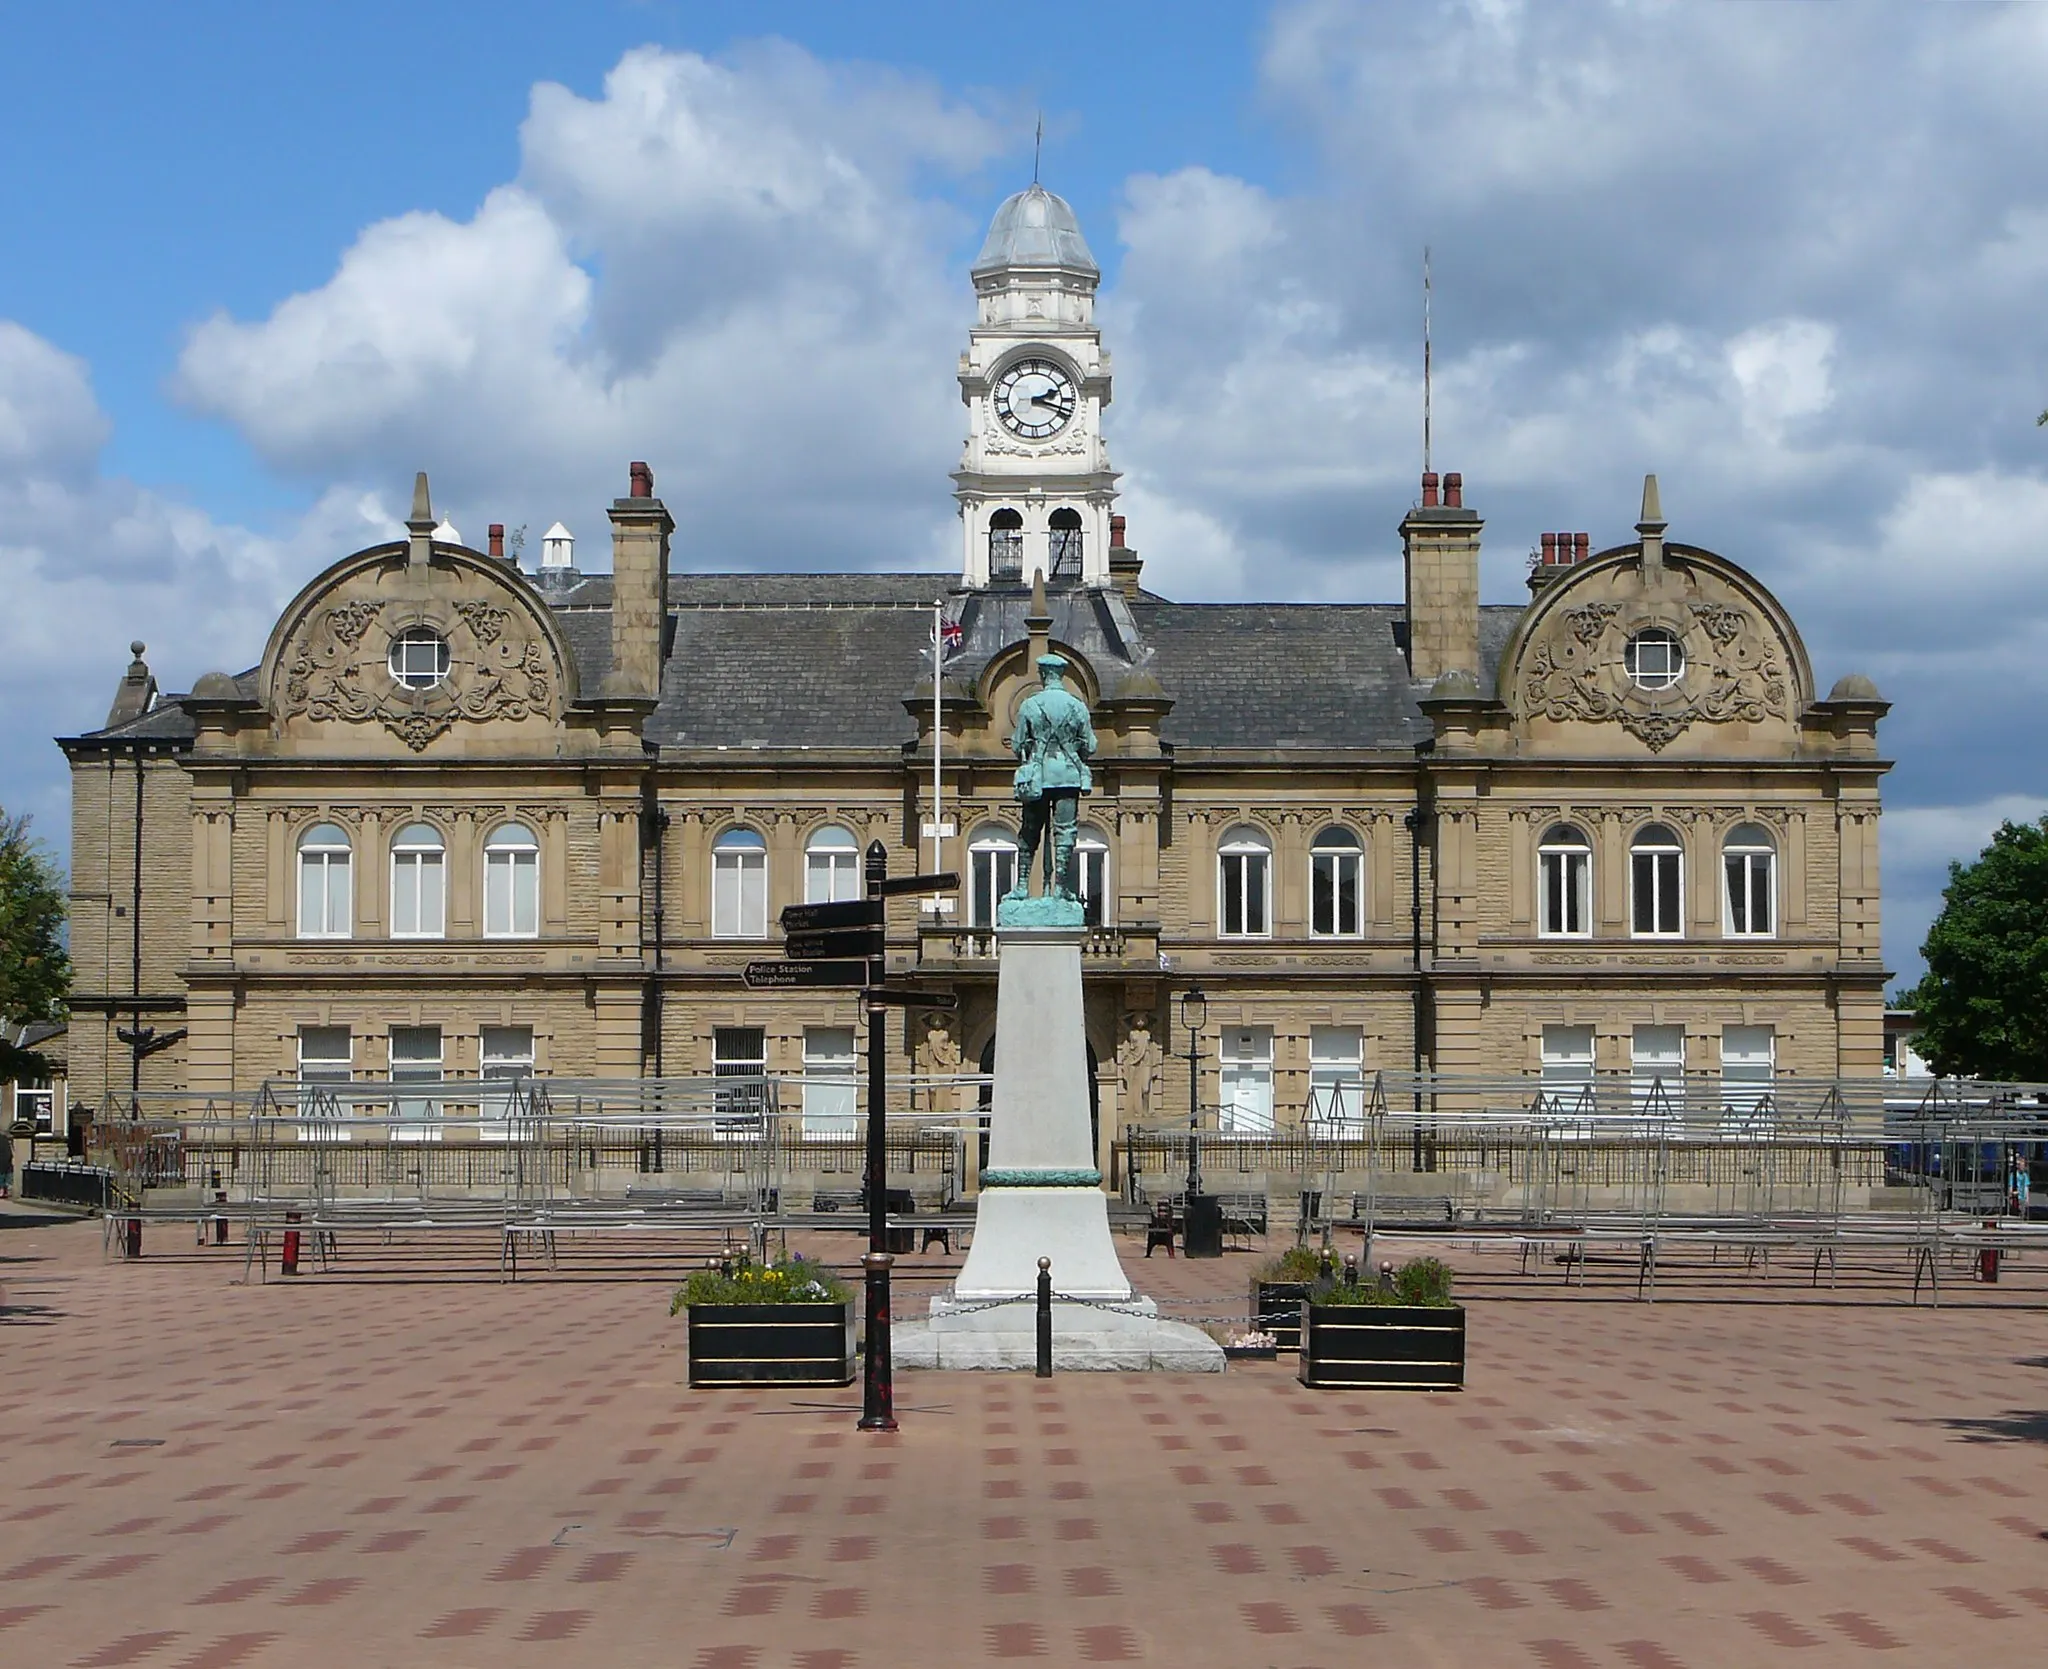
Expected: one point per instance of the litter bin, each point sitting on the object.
(1201, 1234)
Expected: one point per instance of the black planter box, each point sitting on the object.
(771, 1344)
(1276, 1309)
(1383, 1347)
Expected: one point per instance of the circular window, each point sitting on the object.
(419, 658)
(1655, 660)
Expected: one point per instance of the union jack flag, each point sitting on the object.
(951, 637)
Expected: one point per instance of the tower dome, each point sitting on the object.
(1035, 228)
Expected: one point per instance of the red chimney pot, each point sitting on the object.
(1550, 550)
(1117, 524)
(643, 480)
(1429, 489)
(1454, 491)
(498, 539)
(1581, 544)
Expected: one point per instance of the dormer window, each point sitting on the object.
(1006, 546)
(419, 657)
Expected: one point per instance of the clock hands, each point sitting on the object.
(1052, 397)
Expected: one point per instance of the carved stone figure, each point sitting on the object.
(1137, 1068)
(938, 1056)
(1053, 743)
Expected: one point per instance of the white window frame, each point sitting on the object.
(1336, 1081)
(1244, 1086)
(741, 1108)
(1568, 1053)
(1244, 878)
(504, 1053)
(831, 1086)
(419, 867)
(1657, 1053)
(418, 671)
(1564, 885)
(36, 1101)
(832, 867)
(512, 883)
(739, 885)
(1749, 1069)
(326, 852)
(1749, 865)
(1335, 856)
(1091, 878)
(992, 872)
(1656, 883)
(1641, 672)
(415, 1118)
(322, 1066)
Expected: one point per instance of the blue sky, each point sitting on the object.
(258, 263)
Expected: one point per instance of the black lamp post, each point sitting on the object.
(1194, 1014)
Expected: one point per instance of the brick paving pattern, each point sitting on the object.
(394, 1466)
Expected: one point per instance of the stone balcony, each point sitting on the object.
(944, 945)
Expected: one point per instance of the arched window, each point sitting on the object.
(1244, 877)
(1091, 877)
(739, 886)
(326, 900)
(1064, 527)
(1656, 883)
(831, 867)
(511, 883)
(1006, 546)
(1564, 877)
(418, 888)
(1749, 862)
(992, 871)
(1336, 885)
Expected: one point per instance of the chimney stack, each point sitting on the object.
(1124, 566)
(1440, 550)
(640, 533)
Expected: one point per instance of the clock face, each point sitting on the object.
(1035, 398)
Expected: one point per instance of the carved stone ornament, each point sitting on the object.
(339, 668)
(1734, 670)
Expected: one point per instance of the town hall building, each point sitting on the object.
(461, 818)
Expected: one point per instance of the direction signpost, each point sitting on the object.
(864, 942)
(790, 976)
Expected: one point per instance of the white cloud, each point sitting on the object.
(773, 327)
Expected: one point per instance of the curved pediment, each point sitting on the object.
(488, 666)
(1695, 659)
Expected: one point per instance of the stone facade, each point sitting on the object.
(647, 766)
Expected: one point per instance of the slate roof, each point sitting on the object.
(825, 661)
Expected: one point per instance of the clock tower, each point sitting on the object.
(1034, 482)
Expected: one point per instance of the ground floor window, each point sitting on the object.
(1567, 1066)
(35, 1104)
(416, 1059)
(1657, 1072)
(1244, 1104)
(1749, 1057)
(830, 1081)
(740, 1053)
(507, 1055)
(326, 1058)
(1336, 1080)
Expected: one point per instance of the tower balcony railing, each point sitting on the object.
(1005, 555)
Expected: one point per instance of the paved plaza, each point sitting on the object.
(405, 1461)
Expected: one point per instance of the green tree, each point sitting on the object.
(1983, 1004)
(35, 971)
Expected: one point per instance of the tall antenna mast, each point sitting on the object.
(1425, 360)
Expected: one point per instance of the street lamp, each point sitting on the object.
(1194, 1014)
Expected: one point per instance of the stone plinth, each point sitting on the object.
(1042, 1197)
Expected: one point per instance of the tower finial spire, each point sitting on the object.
(1037, 147)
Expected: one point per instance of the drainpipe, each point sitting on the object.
(653, 829)
(1417, 823)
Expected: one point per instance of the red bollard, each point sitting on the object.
(134, 1237)
(288, 1258)
(1987, 1259)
